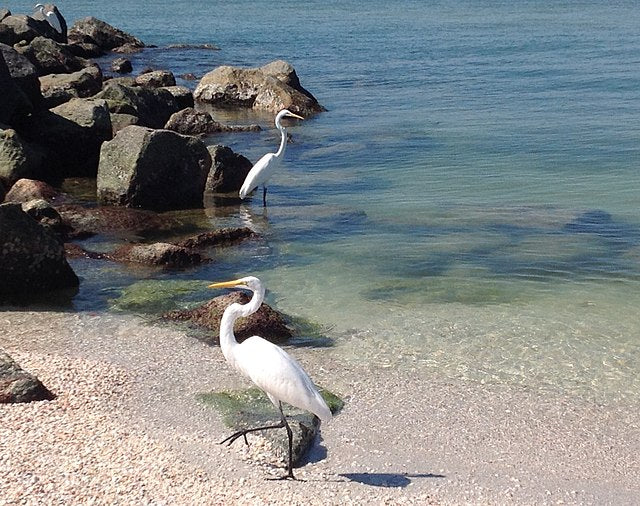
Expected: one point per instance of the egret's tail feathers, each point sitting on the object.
(321, 410)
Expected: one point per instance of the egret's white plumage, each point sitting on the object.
(50, 16)
(271, 368)
(263, 169)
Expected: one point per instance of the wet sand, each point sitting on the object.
(126, 429)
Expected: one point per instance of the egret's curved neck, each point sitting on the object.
(229, 317)
(283, 140)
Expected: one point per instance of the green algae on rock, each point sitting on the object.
(251, 407)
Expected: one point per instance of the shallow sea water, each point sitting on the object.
(468, 205)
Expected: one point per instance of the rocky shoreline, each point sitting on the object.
(140, 138)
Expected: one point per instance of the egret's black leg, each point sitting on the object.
(290, 436)
(264, 196)
(283, 423)
(231, 439)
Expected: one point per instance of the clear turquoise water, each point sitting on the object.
(468, 206)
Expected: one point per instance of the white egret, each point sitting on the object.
(261, 172)
(51, 16)
(271, 368)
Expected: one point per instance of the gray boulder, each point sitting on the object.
(18, 159)
(156, 79)
(71, 134)
(152, 106)
(192, 122)
(228, 170)
(120, 121)
(272, 87)
(50, 57)
(13, 101)
(60, 88)
(182, 94)
(24, 74)
(32, 259)
(4, 13)
(17, 385)
(102, 34)
(20, 28)
(153, 169)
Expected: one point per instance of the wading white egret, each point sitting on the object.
(271, 368)
(52, 16)
(263, 168)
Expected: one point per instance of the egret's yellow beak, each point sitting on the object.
(228, 284)
(291, 115)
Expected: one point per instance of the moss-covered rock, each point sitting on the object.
(266, 322)
(251, 408)
(157, 296)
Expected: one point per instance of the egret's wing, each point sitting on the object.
(54, 21)
(259, 174)
(279, 374)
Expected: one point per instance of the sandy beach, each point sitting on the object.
(126, 428)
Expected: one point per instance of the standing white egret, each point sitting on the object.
(271, 368)
(52, 16)
(263, 168)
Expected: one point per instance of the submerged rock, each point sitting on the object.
(153, 169)
(32, 259)
(220, 237)
(158, 254)
(191, 122)
(265, 322)
(115, 221)
(273, 87)
(17, 385)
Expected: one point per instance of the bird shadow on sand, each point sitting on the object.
(391, 480)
